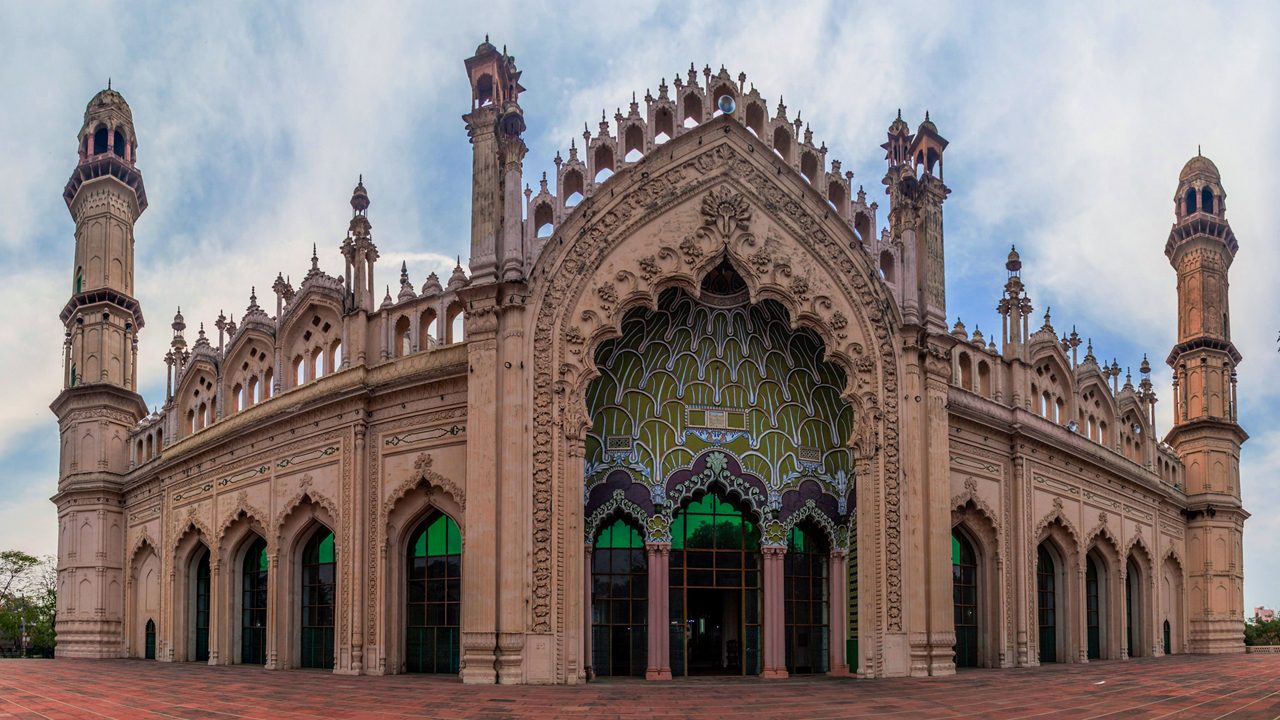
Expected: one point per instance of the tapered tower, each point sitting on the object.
(1205, 432)
(98, 405)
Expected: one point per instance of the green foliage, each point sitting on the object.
(27, 599)
(1262, 632)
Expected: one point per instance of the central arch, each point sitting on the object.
(715, 192)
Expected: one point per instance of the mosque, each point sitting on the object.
(693, 406)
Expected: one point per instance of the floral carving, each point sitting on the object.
(725, 210)
(648, 267)
(608, 294)
(691, 250)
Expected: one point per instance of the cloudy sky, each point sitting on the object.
(1067, 132)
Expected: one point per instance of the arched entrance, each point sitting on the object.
(964, 587)
(1096, 595)
(1133, 604)
(319, 590)
(715, 589)
(149, 652)
(806, 601)
(619, 600)
(1048, 605)
(254, 570)
(434, 596)
(198, 609)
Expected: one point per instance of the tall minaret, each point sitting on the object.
(99, 404)
(1205, 432)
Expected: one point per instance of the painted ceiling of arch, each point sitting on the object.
(692, 377)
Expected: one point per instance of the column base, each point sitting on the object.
(658, 674)
(840, 671)
(775, 674)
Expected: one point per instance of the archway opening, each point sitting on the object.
(715, 589)
(198, 609)
(1095, 598)
(619, 600)
(806, 600)
(253, 603)
(964, 590)
(434, 597)
(149, 653)
(319, 591)
(1048, 607)
(1137, 597)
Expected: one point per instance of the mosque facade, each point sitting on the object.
(694, 406)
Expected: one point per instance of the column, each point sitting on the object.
(359, 552)
(587, 623)
(775, 628)
(273, 611)
(837, 611)
(215, 604)
(659, 558)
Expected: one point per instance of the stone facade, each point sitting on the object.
(274, 509)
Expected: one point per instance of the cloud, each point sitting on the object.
(1068, 127)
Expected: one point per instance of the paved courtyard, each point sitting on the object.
(1243, 686)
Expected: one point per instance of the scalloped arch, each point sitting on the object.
(296, 502)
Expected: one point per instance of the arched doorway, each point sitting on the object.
(806, 603)
(1095, 598)
(619, 601)
(319, 590)
(715, 589)
(1133, 603)
(198, 608)
(149, 652)
(1048, 607)
(253, 603)
(964, 590)
(433, 596)
(1168, 639)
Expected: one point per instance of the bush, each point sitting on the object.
(1262, 633)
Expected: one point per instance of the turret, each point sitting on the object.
(1205, 433)
(98, 405)
(494, 125)
(916, 193)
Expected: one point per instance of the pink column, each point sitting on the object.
(838, 611)
(586, 609)
(775, 630)
(659, 666)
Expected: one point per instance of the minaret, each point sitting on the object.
(98, 405)
(1205, 432)
(497, 156)
(916, 193)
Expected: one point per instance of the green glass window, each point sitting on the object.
(150, 640)
(200, 607)
(714, 589)
(805, 600)
(319, 589)
(964, 595)
(619, 601)
(79, 280)
(253, 604)
(434, 596)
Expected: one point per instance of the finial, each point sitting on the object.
(486, 37)
(926, 116)
(253, 293)
(1197, 144)
(899, 113)
(108, 83)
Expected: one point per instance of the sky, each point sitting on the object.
(1068, 125)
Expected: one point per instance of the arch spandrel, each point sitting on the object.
(712, 193)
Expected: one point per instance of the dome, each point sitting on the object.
(1199, 165)
(107, 100)
(485, 47)
(899, 126)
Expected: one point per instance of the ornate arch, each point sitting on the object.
(1137, 543)
(189, 523)
(1102, 531)
(144, 538)
(1056, 516)
(978, 524)
(295, 502)
(422, 473)
(970, 497)
(618, 505)
(837, 535)
(713, 192)
(242, 507)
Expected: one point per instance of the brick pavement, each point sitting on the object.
(1237, 687)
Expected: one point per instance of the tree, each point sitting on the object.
(27, 602)
(1262, 632)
